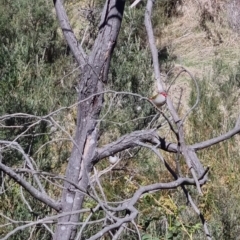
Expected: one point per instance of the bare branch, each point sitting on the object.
(154, 149)
(50, 219)
(129, 205)
(24, 200)
(15, 145)
(196, 85)
(135, 3)
(119, 231)
(149, 28)
(210, 142)
(48, 229)
(104, 171)
(198, 168)
(130, 141)
(75, 47)
(28, 187)
(79, 236)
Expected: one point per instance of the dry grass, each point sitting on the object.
(192, 45)
(189, 42)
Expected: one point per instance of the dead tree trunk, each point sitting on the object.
(94, 69)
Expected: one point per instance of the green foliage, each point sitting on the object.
(165, 220)
(14, 207)
(29, 61)
(219, 101)
(133, 72)
(33, 61)
(207, 116)
(148, 237)
(30, 54)
(228, 88)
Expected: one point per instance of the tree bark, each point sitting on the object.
(93, 77)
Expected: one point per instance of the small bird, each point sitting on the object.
(113, 159)
(159, 99)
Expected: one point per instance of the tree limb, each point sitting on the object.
(213, 141)
(149, 29)
(28, 187)
(131, 140)
(134, 3)
(15, 145)
(75, 47)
